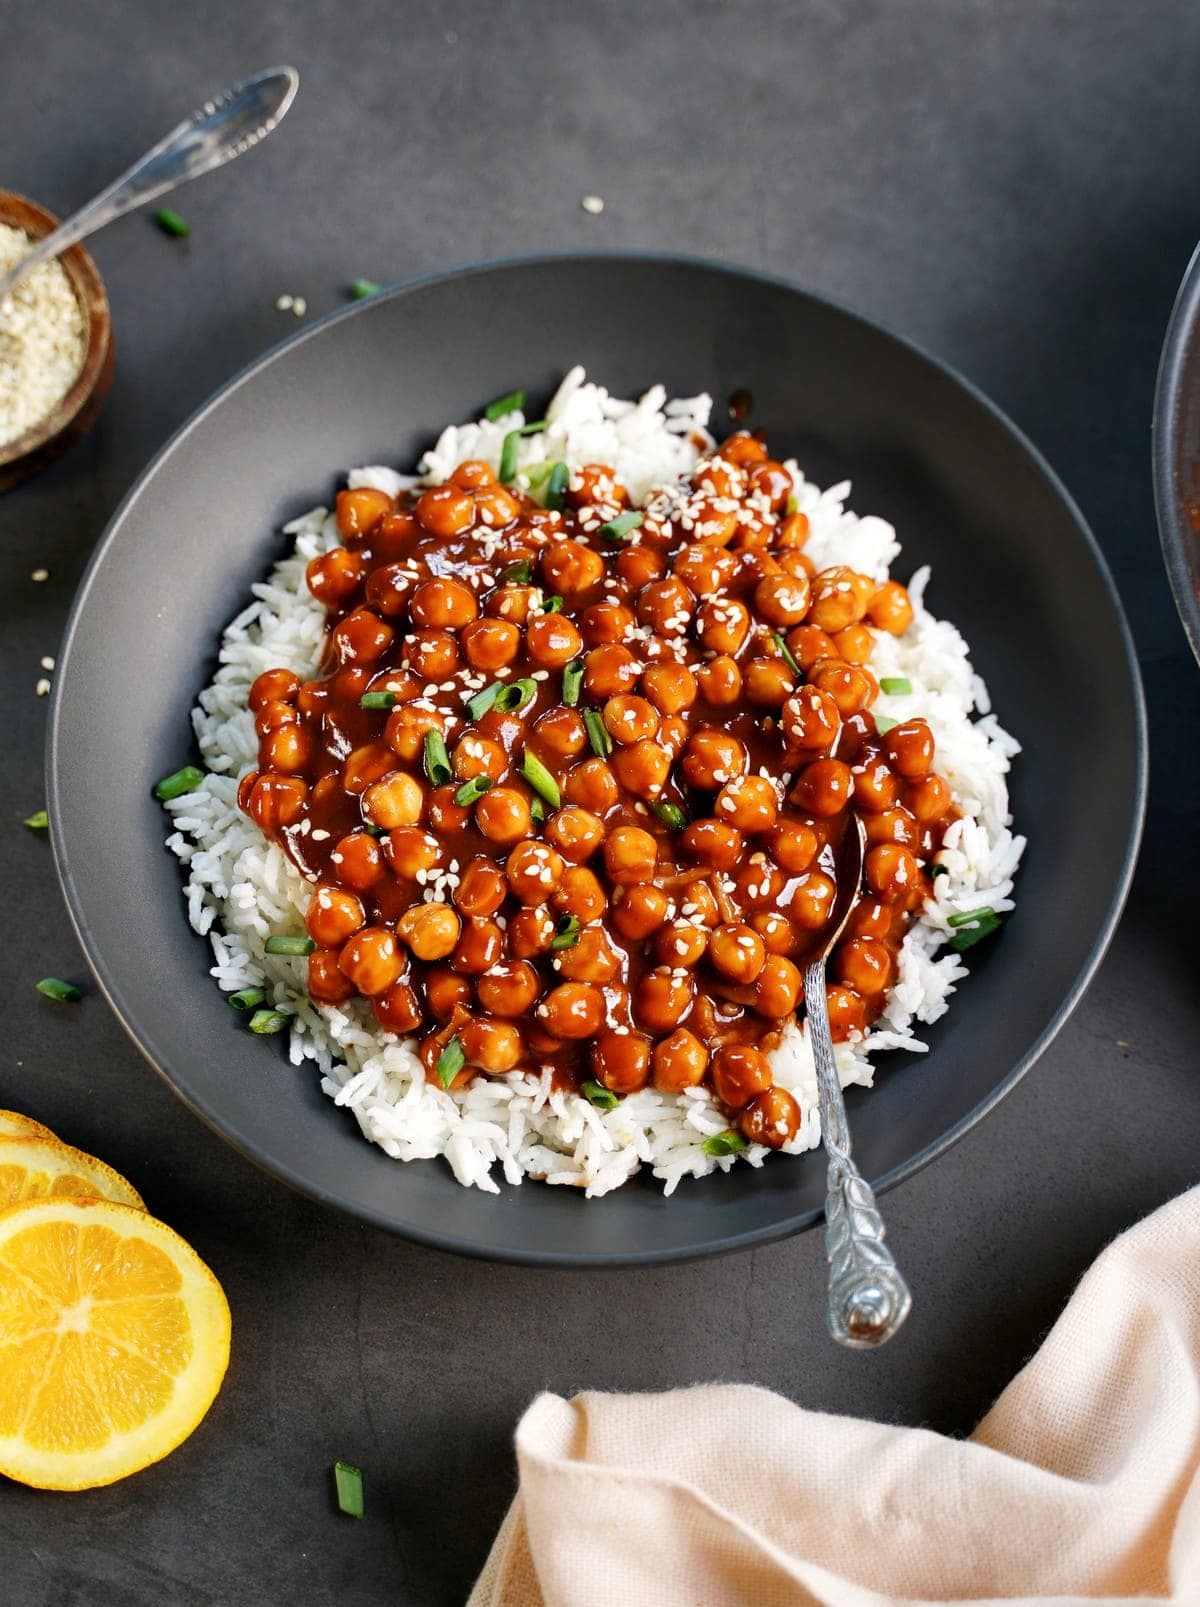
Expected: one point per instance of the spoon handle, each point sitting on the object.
(868, 1298)
(218, 131)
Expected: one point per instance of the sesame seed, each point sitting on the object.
(40, 575)
(593, 204)
(42, 688)
(47, 663)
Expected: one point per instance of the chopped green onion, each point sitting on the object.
(348, 1482)
(518, 574)
(597, 734)
(670, 814)
(969, 917)
(450, 1062)
(373, 830)
(247, 999)
(478, 705)
(437, 760)
(265, 1022)
(785, 653)
(727, 1143)
(540, 779)
(515, 695)
(572, 681)
(377, 700)
(38, 821)
(793, 504)
(597, 1094)
(174, 786)
(986, 923)
(556, 486)
(552, 605)
(508, 457)
(471, 791)
(537, 473)
(64, 992)
(537, 812)
(617, 529)
(289, 945)
(504, 405)
(883, 725)
(939, 870)
(362, 288)
(566, 932)
(896, 685)
(171, 223)
(536, 428)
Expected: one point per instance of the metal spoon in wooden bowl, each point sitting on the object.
(221, 129)
(868, 1299)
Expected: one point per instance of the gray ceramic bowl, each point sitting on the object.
(1176, 452)
(1014, 565)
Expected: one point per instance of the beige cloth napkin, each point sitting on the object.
(1080, 1484)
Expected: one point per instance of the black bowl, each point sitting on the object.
(1176, 452)
(1014, 565)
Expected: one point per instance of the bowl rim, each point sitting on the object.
(1180, 343)
(785, 1226)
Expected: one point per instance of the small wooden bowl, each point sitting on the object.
(78, 410)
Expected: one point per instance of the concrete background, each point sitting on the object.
(1011, 184)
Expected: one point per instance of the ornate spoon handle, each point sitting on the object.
(868, 1299)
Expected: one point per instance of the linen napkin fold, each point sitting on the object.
(1081, 1484)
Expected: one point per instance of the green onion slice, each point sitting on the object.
(450, 1062)
(896, 685)
(536, 428)
(246, 999)
(727, 1143)
(883, 725)
(504, 405)
(572, 681)
(518, 574)
(478, 705)
(471, 791)
(349, 1486)
(266, 1022)
(289, 945)
(175, 785)
(362, 288)
(171, 223)
(508, 456)
(597, 1094)
(617, 529)
(786, 653)
(537, 473)
(597, 733)
(540, 779)
(377, 700)
(939, 870)
(670, 814)
(38, 821)
(566, 932)
(515, 695)
(537, 812)
(556, 486)
(986, 921)
(793, 505)
(55, 988)
(969, 917)
(437, 760)
(373, 830)
(552, 605)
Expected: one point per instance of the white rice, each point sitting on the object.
(241, 888)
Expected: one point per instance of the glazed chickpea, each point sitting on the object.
(794, 846)
(333, 916)
(606, 622)
(552, 640)
(561, 733)
(446, 511)
(671, 688)
(771, 1118)
(910, 749)
(502, 815)
(823, 788)
(570, 568)
(793, 531)
(855, 644)
(871, 918)
(679, 1061)
(811, 719)
(875, 786)
(929, 799)
(430, 930)
(591, 959)
(662, 999)
(713, 842)
(572, 1010)
(398, 1009)
(771, 481)
(592, 786)
(722, 625)
(666, 606)
(739, 1072)
(358, 861)
(639, 911)
(490, 644)
(493, 1046)
(630, 855)
(720, 475)
(479, 947)
(864, 964)
(530, 932)
(720, 680)
(444, 604)
(475, 755)
(359, 511)
(575, 832)
(350, 681)
(433, 655)
(850, 686)
(443, 814)
(596, 482)
(372, 960)
(769, 682)
(743, 449)
(515, 603)
(673, 734)
(839, 598)
(759, 882)
(890, 609)
(779, 988)
(409, 851)
(737, 952)
(629, 718)
(643, 769)
(362, 637)
(812, 902)
(609, 671)
(509, 989)
(397, 800)
(482, 888)
(446, 992)
(471, 474)
(334, 577)
(496, 507)
(534, 871)
(712, 523)
(288, 749)
(698, 904)
(680, 946)
(621, 1061)
(782, 599)
(276, 801)
(894, 825)
(808, 645)
(777, 932)
(580, 894)
(389, 589)
(705, 569)
(847, 1013)
(327, 984)
(407, 728)
(713, 758)
(892, 873)
(749, 803)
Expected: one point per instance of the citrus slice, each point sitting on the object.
(14, 1125)
(114, 1338)
(32, 1168)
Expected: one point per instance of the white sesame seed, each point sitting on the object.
(40, 575)
(593, 204)
(42, 688)
(284, 303)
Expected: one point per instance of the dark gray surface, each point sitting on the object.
(1014, 187)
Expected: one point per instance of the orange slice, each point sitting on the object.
(114, 1338)
(33, 1168)
(14, 1125)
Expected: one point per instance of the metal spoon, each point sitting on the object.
(221, 129)
(868, 1299)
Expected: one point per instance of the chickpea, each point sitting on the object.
(430, 930)
(811, 719)
(359, 511)
(621, 1061)
(712, 758)
(673, 734)
(777, 932)
(864, 964)
(910, 749)
(397, 800)
(446, 511)
(662, 999)
(393, 537)
(552, 640)
(705, 569)
(350, 681)
(406, 730)
(606, 622)
(326, 983)
(771, 481)
(890, 609)
(362, 637)
(680, 946)
(779, 988)
(713, 842)
(596, 482)
(475, 755)
(671, 688)
(610, 670)
(640, 910)
(572, 1010)
(530, 932)
(442, 814)
(723, 624)
(592, 786)
(479, 947)
(445, 604)
(771, 1118)
(749, 803)
(575, 832)
(580, 894)
(680, 1062)
(496, 507)
(490, 644)
(482, 888)
(493, 1046)
(720, 680)
(713, 523)
(389, 589)
(471, 474)
(739, 1072)
(591, 959)
(812, 902)
(699, 904)
(720, 475)
(929, 799)
(855, 644)
(666, 606)
(759, 882)
(515, 603)
(839, 598)
(509, 989)
(642, 769)
(630, 855)
(871, 918)
(892, 873)
(808, 645)
(276, 802)
(503, 816)
(358, 860)
(782, 599)
(794, 846)
(432, 654)
(823, 788)
(561, 733)
(333, 916)
(534, 871)
(570, 568)
(365, 765)
(288, 749)
(875, 786)
(630, 719)
(742, 448)
(446, 992)
(769, 682)
(793, 531)
(372, 960)
(334, 577)
(737, 952)
(849, 685)
(847, 1013)
(398, 1009)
